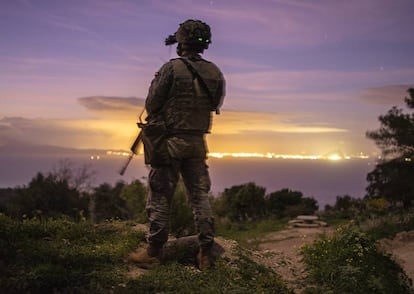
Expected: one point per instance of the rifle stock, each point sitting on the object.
(134, 151)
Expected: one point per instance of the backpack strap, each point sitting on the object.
(197, 76)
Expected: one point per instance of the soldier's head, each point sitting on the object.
(192, 36)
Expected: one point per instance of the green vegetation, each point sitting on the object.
(242, 276)
(249, 234)
(389, 225)
(392, 178)
(42, 255)
(58, 255)
(349, 262)
(249, 202)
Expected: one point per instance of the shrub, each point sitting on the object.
(349, 262)
(135, 197)
(243, 202)
(289, 203)
(388, 226)
(48, 256)
(181, 217)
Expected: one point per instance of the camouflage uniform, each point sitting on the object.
(186, 109)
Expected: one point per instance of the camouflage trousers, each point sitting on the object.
(162, 184)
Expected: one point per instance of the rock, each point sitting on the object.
(306, 221)
(184, 250)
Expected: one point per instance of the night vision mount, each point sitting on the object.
(171, 39)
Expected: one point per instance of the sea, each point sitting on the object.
(323, 180)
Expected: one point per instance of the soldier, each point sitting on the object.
(183, 95)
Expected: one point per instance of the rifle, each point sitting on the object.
(134, 146)
(134, 150)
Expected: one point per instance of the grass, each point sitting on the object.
(250, 234)
(60, 256)
(240, 276)
(45, 255)
(388, 226)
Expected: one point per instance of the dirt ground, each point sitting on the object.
(402, 249)
(280, 251)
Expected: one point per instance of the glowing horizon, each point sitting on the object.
(268, 155)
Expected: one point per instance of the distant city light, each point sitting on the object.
(268, 155)
(334, 157)
(262, 155)
(118, 153)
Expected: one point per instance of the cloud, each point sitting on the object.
(270, 87)
(386, 95)
(233, 122)
(118, 131)
(72, 133)
(112, 104)
(288, 143)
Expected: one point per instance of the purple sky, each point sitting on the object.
(303, 76)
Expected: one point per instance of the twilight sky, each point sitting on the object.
(302, 76)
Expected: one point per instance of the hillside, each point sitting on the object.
(61, 256)
(280, 252)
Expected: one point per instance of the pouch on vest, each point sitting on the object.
(154, 138)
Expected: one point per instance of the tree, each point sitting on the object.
(244, 202)
(49, 196)
(7, 201)
(181, 218)
(392, 180)
(395, 137)
(135, 197)
(108, 203)
(345, 206)
(289, 203)
(80, 178)
(392, 176)
(59, 192)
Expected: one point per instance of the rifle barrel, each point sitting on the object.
(134, 146)
(125, 166)
(134, 151)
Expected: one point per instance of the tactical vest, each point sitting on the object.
(189, 108)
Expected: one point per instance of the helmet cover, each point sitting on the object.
(192, 32)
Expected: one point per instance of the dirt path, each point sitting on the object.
(280, 251)
(402, 249)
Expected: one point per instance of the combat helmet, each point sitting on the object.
(193, 33)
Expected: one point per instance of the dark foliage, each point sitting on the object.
(243, 202)
(289, 203)
(392, 180)
(345, 207)
(349, 262)
(61, 256)
(46, 196)
(392, 177)
(108, 202)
